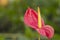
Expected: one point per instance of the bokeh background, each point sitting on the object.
(12, 26)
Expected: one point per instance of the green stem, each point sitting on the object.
(39, 37)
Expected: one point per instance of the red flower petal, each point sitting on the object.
(46, 31)
(49, 31)
(31, 18)
(41, 31)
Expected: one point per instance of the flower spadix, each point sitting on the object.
(34, 20)
(39, 18)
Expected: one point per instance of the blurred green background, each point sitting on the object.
(11, 19)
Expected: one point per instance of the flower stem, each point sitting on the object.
(39, 37)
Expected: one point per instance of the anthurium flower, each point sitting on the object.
(31, 19)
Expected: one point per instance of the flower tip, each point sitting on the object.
(29, 8)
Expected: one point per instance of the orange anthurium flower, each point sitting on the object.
(31, 19)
